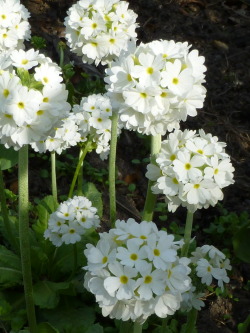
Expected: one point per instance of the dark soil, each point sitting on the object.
(220, 30)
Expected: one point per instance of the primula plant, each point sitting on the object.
(61, 255)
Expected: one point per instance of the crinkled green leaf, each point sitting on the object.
(47, 293)
(92, 193)
(44, 209)
(71, 320)
(10, 268)
(96, 328)
(241, 244)
(46, 328)
(8, 157)
(5, 307)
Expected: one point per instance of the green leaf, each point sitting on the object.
(96, 328)
(5, 307)
(47, 293)
(241, 244)
(46, 328)
(10, 268)
(71, 320)
(44, 209)
(8, 157)
(92, 193)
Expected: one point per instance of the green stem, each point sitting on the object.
(53, 178)
(112, 164)
(125, 326)
(148, 211)
(137, 328)
(4, 213)
(80, 177)
(187, 233)
(79, 165)
(191, 321)
(24, 236)
(74, 263)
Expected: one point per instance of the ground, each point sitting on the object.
(220, 30)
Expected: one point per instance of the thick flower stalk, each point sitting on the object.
(14, 26)
(30, 104)
(71, 220)
(98, 30)
(156, 85)
(191, 170)
(135, 271)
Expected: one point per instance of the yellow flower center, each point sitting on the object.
(157, 252)
(187, 166)
(45, 100)
(24, 61)
(6, 92)
(175, 80)
(148, 279)
(150, 70)
(20, 105)
(196, 186)
(104, 260)
(175, 181)
(123, 279)
(216, 171)
(134, 256)
(143, 95)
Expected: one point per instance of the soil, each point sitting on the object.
(220, 30)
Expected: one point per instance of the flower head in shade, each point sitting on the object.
(191, 170)
(210, 263)
(156, 85)
(98, 30)
(31, 103)
(71, 220)
(134, 271)
(93, 118)
(14, 26)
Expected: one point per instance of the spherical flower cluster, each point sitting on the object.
(156, 85)
(134, 271)
(98, 30)
(211, 264)
(30, 104)
(71, 220)
(65, 135)
(93, 118)
(191, 169)
(14, 27)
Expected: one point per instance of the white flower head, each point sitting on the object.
(125, 278)
(30, 108)
(192, 169)
(99, 31)
(157, 86)
(67, 221)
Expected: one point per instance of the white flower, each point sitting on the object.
(14, 27)
(67, 221)
(121, 284)
(99, 30)
(26, 60)
(29, 110)
(125, 278)
(93, 118)
(133, 255)
(150, 282)
(156, 86)
(191, 169)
